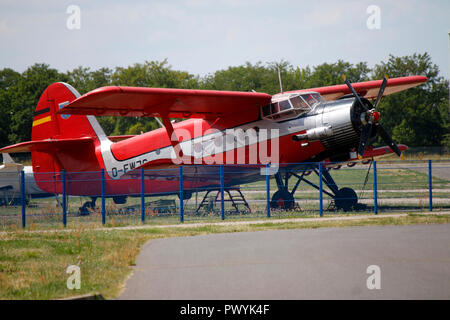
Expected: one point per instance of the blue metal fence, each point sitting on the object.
(400, 184)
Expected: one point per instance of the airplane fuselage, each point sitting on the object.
(328, 130)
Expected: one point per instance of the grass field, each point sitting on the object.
(33, 264)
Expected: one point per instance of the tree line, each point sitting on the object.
(416, 117)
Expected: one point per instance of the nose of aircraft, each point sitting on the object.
(371, 126)
(375, 116)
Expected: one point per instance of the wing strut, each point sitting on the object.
(174, 140)
(172, 135)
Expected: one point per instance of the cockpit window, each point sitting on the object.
(291, 107)
(312, 99)
(299, 103)
(284, 105)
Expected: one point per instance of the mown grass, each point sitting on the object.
(33, 265)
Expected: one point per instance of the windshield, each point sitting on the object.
(291, 107)
(312, 99)
(299, 103)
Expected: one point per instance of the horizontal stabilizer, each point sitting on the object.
(7, 159)
(46, 145)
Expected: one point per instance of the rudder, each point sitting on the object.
(47, 124)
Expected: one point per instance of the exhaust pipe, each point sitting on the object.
(314, 134)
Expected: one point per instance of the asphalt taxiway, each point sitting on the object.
(324, 263)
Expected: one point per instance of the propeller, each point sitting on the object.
(370, 121)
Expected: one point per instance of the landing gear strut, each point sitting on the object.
(344, 199)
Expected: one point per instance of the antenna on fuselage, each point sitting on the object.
(279, 79)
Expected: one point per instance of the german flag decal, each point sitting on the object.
(42, 120)
(42, 111)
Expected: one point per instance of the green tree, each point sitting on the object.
(331, 74)
(85, 80)
(24, 96)
(157, 74)
(418, 116)
(8, 79)
(264, 78)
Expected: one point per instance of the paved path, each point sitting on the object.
(325, 263)
(228, 222)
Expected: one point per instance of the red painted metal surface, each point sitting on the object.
(368, 89)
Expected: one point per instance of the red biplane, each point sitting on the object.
(334, 123)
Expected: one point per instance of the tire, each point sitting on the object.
(282, 199)
(85, 210)
(346, 199)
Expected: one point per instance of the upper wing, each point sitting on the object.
(174, 103)
(368, 89)
(186, 103)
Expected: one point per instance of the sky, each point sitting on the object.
(201, 36)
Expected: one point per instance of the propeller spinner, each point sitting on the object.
(370, 119)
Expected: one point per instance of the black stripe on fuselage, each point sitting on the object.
(42, 111)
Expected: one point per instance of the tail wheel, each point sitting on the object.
(86, 208)
(186, 195)
(346, 199)
(282, 199)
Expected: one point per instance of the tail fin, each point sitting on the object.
(61, 129)
(49, 125)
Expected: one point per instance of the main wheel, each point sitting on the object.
(282, 199)
(346, 199)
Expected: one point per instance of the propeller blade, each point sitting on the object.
(349, 85)
(380, 93)
(364, 139)
(388, 140)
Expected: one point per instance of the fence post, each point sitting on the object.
(222, 193)
(430, 186)
(320, 190)
(23, 199)
(268, 189)
(64, 204)
(142, 196)
(102, 177)
(375, 188)
(181, 195)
